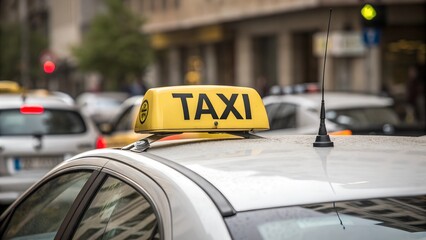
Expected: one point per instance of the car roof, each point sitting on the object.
(254, 173)
(16, 100)
(95, 96)
(333, 100)
(287, 170)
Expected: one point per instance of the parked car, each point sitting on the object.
(36, 133)
(101, 107)
(249, 188)
(298, 113)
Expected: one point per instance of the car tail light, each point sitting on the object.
(100, 142)
(32, 109)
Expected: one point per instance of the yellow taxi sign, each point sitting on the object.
(201, 108)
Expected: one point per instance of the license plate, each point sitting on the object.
(43, 162)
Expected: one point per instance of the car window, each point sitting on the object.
(125, 122)
(281, 115)
(383, 218)
(118, 211)
(40, 215)
(50, 122)
(363, 117)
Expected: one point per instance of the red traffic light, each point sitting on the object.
(49, 67)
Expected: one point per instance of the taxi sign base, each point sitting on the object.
(323, 141)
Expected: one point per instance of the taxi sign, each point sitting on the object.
(201, 108)
(9, 87)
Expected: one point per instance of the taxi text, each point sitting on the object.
(204, 99)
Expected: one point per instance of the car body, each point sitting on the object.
(360, 113)
(120, 132)
(36, 133)
(101, 107)
(366, 187)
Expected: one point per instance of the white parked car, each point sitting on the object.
(37, 133)
(360, 113)
(245, 187)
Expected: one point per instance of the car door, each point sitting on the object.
(91, 204)
(127, 205)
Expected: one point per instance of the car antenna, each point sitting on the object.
(323, 139)
(24, 96)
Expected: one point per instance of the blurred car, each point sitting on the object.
(249, 188)
(120, 132)
(9, 87)
(101, 107)
(61, 95)
(298, 113)
(36, 133)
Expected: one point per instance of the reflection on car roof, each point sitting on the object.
(274, 170)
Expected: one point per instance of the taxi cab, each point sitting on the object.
(9, 87)
(246, 187)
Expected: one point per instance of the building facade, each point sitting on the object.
(260, 43)
(256, 43)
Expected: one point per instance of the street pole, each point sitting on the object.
(25, 63)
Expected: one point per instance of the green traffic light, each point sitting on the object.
(368, 12)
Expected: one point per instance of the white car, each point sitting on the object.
(101, 107)
(365, 187)
(37, 133)
(359, 113)
(120, 132)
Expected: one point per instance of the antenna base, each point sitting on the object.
(323, 141)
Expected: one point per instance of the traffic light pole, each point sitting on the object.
(25, 63)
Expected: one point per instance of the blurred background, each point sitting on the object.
(375, 47)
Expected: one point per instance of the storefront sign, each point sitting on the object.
(341, 44)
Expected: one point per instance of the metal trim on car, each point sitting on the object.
(224, 206)
(78, 209)
(74, 214)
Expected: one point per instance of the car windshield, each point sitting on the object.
(50, 122)
(363, 117)
(387, 218)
